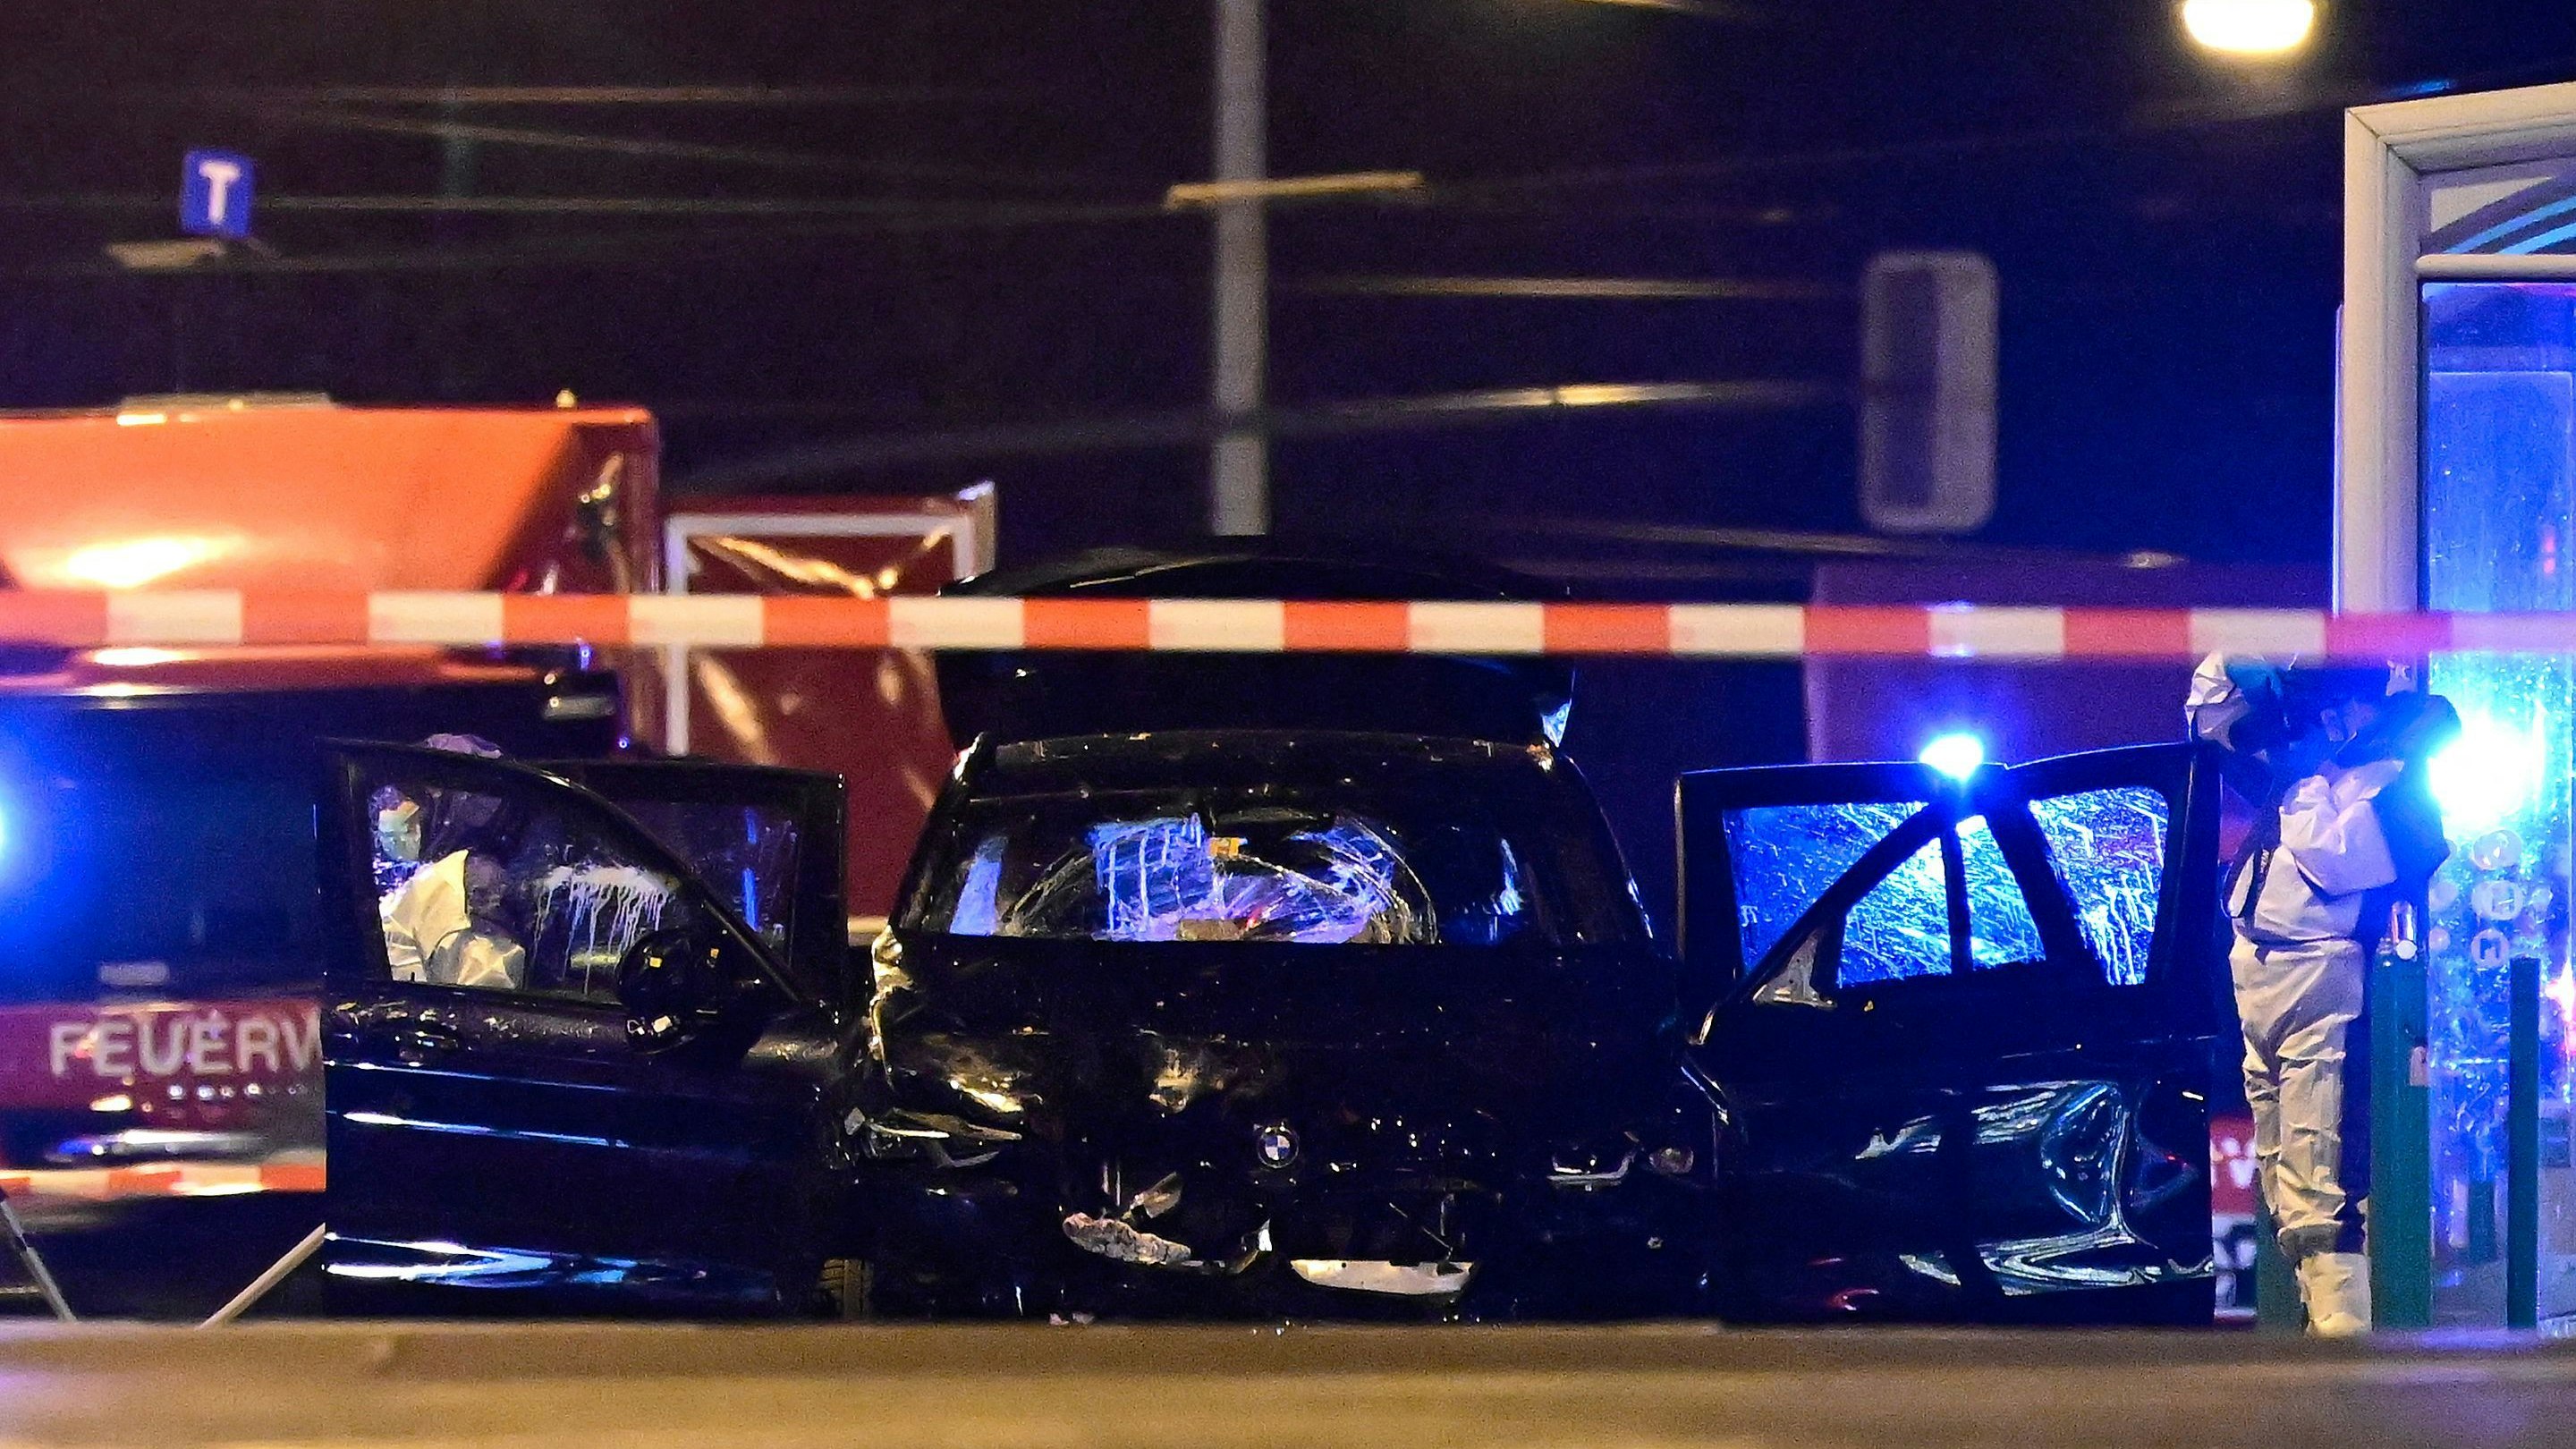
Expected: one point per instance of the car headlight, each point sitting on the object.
(1602, 1162)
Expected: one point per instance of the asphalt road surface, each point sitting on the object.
(169, 1259)
(1208, 1388)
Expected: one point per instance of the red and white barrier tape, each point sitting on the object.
(205, 618)
(288, 1172)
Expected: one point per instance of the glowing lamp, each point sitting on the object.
(134, 562)
(1957, 754)
(2489, 776)
(2250, 27)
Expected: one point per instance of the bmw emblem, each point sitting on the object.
(1276, 1144)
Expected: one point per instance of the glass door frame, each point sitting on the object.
(2392, 156)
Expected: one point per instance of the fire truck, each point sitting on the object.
(159, 942)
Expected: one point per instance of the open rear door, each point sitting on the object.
(1963, 1034)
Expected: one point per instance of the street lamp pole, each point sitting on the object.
(1239, 461)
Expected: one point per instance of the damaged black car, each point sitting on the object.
(1225, 1017)
(1265, 985)
(1278, 986)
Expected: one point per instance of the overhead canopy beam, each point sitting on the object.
(1179, 428)
(1586, 289)
(745, 96)
(327, 118)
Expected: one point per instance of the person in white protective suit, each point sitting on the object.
(439, 921)
(438, 927)
(2344, 827)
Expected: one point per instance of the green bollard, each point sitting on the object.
(2401, 1139)
(2522, 1147)
(2277, 1308)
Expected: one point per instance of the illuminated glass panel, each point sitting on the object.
(2499, 509)
(2108, 846)
(2000, 930)
(1901, 929)
(1786, 856)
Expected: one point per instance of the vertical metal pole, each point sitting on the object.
(32, 1261)
(276, 1273)
(1239, 464)
(2401, 1136)
(2522, 1149)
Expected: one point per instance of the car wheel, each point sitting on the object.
(847, 1288)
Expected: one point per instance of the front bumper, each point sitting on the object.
(985, 1236)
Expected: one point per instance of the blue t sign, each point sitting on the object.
(214, 195)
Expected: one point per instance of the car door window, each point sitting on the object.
(1784, 858)
(512, 891)
(2108, 848)
(2001, 930)
(746, 854)
(1901, 928)
(1904, 927)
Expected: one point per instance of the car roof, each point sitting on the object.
(1039, 694)
(1165, 757)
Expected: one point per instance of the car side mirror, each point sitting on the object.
(673, 985)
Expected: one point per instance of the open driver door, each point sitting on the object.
(1960, 1035)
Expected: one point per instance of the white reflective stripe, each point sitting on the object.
(2013, 633)
(2257, 631)
(1755, 631)
(1478, 628)
(216, 1179)
(1217, 624)
(954, 623)
(432, 618)
(713, 620)
(174, 616)
(2508, 633)
(85, 1183)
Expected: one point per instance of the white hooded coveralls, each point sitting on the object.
(2301, 975)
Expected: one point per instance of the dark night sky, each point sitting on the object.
(2169, 283)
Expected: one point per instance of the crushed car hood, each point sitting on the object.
(1085, 1031)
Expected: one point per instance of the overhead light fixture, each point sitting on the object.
(2250, 27)
(165, 256)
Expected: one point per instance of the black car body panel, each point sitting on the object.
(1965, 1076)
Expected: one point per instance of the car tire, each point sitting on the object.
(847, 1288)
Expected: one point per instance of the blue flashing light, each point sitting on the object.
(2493, 773)
(1957, 754)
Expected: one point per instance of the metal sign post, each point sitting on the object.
(32, 1261)
(1239, 462)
